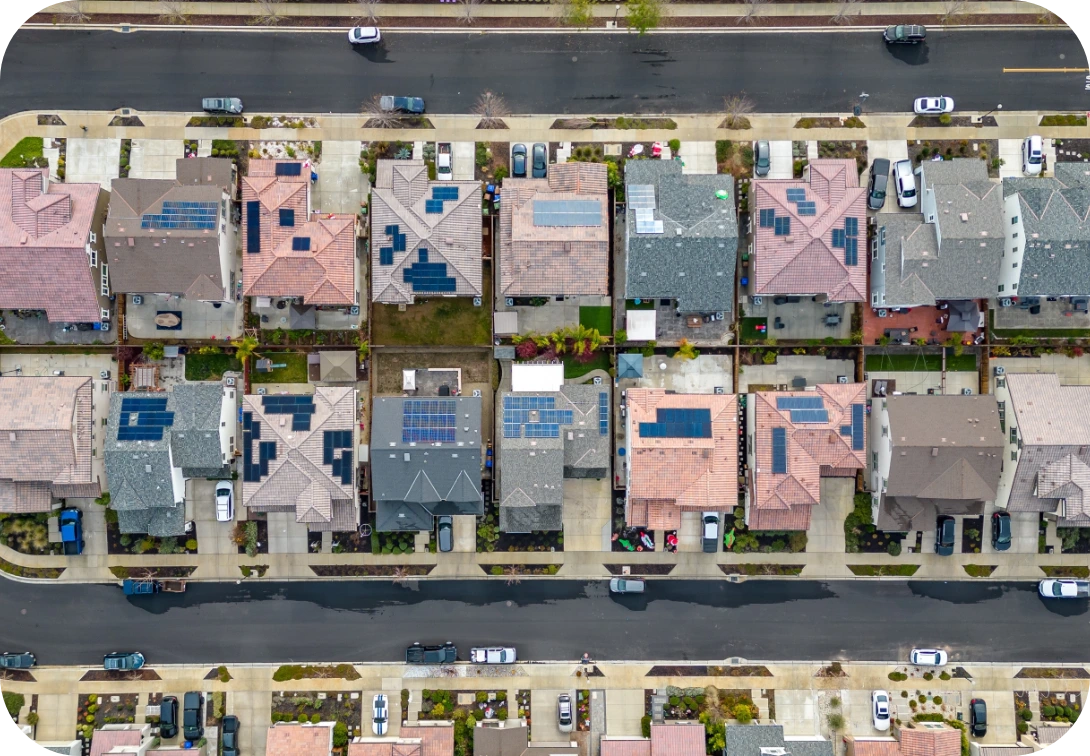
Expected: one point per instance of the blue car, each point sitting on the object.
(413, 105)
(123, 661)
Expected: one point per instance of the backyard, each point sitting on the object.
(293, 370)
(450, 321)
(600, 318)
(209, 367)
(749, 332)
(574, 368)
(476, 366)
(920, 362)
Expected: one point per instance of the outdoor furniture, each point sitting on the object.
(777, 323)
(832, 320)
(694, 321)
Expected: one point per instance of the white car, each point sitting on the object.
(492, 656)
(879, 700)
(364, 35)
(905, 182)
(380, 712)
(225, 501)
(565, 718)
(928, 657)
(1033, 155)
(1067, 589)
(933, 105)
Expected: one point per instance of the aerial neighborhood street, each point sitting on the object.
(714, 373)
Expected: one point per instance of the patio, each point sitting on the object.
(921, 323)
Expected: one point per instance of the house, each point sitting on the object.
(45, 442)
(769, 740)
(1047, 235)
(425, 738)
(929, 739)
(425, 460)
(868, 746)
(667, 739)
(209, 171)
(51, 247)
(1047, 442)
(173, 238)
(62, 747)
(292, 739)
(933, 455)
(795, 438)
(425, 235)
(951, 250)
(548, 436)
(298, 456)
(1051, 732)
(1012, 749)
(512, 738)
(132, 739)
(681, 236)
(554, 233)
(682, 456)
(289, 252)
(155, 441)
(808, 233)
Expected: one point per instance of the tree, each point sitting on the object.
(686, 351)
(244, 348)
(75, 12)
(267, 12)
(377, 118)
(645, 14)
(340, 735)
(492, 109)
(154, 350)
(952, 10)
(400, 576)
(577, 13)
(836, 721)
(467, 11)
(368, 10)
(364, 347)
(751, 9)
(512, 575)
(743, 713)
(174, 11)
(736, 107)
(845, 10)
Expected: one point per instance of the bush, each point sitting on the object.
(836, 721)
(496, 570)
(743, 713)
(32, 719)
(1048, 711)
(154, 350)
(894, 548)
(912, 704)
(315, 718)
(1023, 728)
(945, 119)
(898, 676)
(1026, 714)
(1070, 713)
(92, 708)
(675, 701)
(689, 702)
(224, 675)
(922, 698)
(645, 726)
(191, 544)
(340, 735)
(937, 700)
(944, 676)
(675, 145)
(15, 701)
(929, 676)
(904, 694)
(481, 696)
(303, 719)
(438, 710)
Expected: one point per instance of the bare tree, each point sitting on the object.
(174, 11)
(400, 575)
(736, 107)
(267, 12)
(952, 10)
(467, 11)
(377, 118)
(512, 575)
(577, 13)
(492, 109)
(750, 10)
(369, 10)
(75, 12)
(845, 10)
(1048, 17)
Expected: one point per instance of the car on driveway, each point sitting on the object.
(1064, 589)
(710, 532)
(123, 660)
(540, 166)
(933, 105)
(564, 719)
(905, 34)
(1001, 531)
(192, 715)
(928, 657)
(168, 717)
(411, 105)
(944, 535)
(762, 159)
(876, 185)
(1033, 155)
(445, 533)
(224, 105)
(978, 718)
(626, 585)
(10, 660)
(364, 35)
(230, 735)
(905, 181)
(418, 654)
(492, 655)
(879, 705)
(380, 714)
(225, 501)
(518, 161)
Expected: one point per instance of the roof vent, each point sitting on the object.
(406, 456)
(11, 437)
(147, 468)
(934, 451)
(964, 217)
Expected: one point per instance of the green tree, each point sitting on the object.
(577, 13)
(743, 713)
(154, 350)
(645, 14)
(613, 175)
(340, 735)
(244, 348)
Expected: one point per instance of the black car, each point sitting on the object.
(905, 34)
(876, 186)
(168, 717)
(230, 735)
(1001, 531)
(193, 716)
(10, 660)
(978, 717)
(944, 536)
(418, 654)
(541, 160)
(518, 161)
(445, 534)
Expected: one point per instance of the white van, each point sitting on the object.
(906, 183)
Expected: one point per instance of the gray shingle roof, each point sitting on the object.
(694, 259)
(194, 438)
(748, 740)
(413, 482)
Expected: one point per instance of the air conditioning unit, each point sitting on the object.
(719, 390)
(1000, 370)
(509, 301)
(966, 392)
(758, 300)
(597, 380)
(230, 381)
(883, 313)
(138, 299)
(261, 391)
(104, 374)
(1005, 302)
(477, 393)
(105, 325)
(354, 310)
(476, 301)
(718, 316)
(842, 379)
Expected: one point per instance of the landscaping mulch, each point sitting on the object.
(1066, 572)
(315, 672)
(126, 121)
(1068, 703)
(106, 710)
(255, 570)
(636, 570)
(1072, 150)
(846, 149)
(17, 675)
(1074, 540)
(40, 573)
(499, 156)
(878, 541)
(762, 569)
(50, 120)
(971, 534)
(352, 544)
(330, 706)
(262, 535)
(985, 149)
(118, 675)
(148, 573)
(618, 122)
(218, 673)
(371, 570)
(486, 704)
(707, 670)
(114, 544)
(28, 534)
(489, 538)
(932, 121)
(517, 570)
(884, 570)
(688, 703)
(1053, 673)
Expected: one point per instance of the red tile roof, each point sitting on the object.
(299, 740)
(104, 741)
(784, 501)
(677, 739)
(925, 741)
(44, 231)
(626, 747)
(887, 747)
(668, 475)
(805, 261)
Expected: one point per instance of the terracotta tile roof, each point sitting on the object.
(45, 440)
(626, 747)
(544, 260)
(927, 741)
(783, 501)
(44, 231)
(299, 740)
(670, 474)
(677, 739)
(104, 741)
(805, 260)
(888, 747)
(435, 741)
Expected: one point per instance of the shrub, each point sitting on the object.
(32, 719)
(501, 715)
(944, 676)
(675, 701)
(898, 676)
(191, 544)
(929, 676)
(15, 701)
(1048, 711)
(912, 704)
(836, 721)
(92, 698)
(224, 675)
(1026, 714)
(154, 350)
(945, 119)
(922, 698)
(834, 701)
(340, 735)
(92, 708)
(675, 145)
(904, 694)
(645, 726)
(937, 700)
(315, 718)
(303, 719)
(689, 702)
(438, 710)
(1023, 728)
(1070, 713)
(743, 713)
(481, 696)
(894, 548)
(496, 570)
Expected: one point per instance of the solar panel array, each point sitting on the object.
(300, 408)
(807, 208)
(603, 413)
(332, 442)
(428, 421)
(398, 244)
(253, 472)
(567, 212)
(847, 239)
(799, 402)
(300, 244)
(646, 223)
(289, 169)
(796, 195)
(783, 226)
(641, 196)
(188, 216)
(537, 414)
(253, 227)
(674, 422)
(439, 194)
(430, 277)
(287, 217)
(857, 427)
(810, 416)
(779, 451)
(143, 419)
(767, 216)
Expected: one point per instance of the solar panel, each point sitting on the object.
(646, 223)
(422, 255)
(779, 451)
(542, 430)
(386, 256)
(346, 468)
(796, 195)
(851, 251)
(289, 169)
(512, 430)
(444, 192)
(183, 215)
(767, 217)
(428, 421)
(857, 427)
(783, 226)
(845, 430)
(641, 196)
(809, 416)
(287, 217)
(253, 227)
(838, 238)
(567, 212)
(142, 404)
(603, 413)
(433, 207)
(301, 244)
(807, 208)
(799, 402)
(851, 226)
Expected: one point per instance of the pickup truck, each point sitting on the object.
(1067, 589)
(444, 167)
(492, 656)
(145, 587)
(418, 654)
(71, 527)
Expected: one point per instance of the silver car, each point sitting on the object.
(565, 720)
(762, 159)
(228, 105)
(626, 585)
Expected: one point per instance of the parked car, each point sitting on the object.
(168, 717)
(710, 532)
(978, 718)
(70, 523)
(933, 105)
(391, 104)
(564, 719)
(905, 34)
(944, 535)
(445, 533)
(193, 716)
(227, 105)
(762, 159)
(364, 35)
(10, 660)
(1033, 155)
(380, 714)
(540, 167)
(1067, 589)
(928, 657)
(225, 501)
(879, 701)
(782, 299)
(444, 161)
(626, 585)
(493, 655)
(230, 735)
(123, 660)
(876, 186)
(418, 654)
(1001, 531)
(905, 181)
(518, 161)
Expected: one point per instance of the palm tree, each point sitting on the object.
(244, 348)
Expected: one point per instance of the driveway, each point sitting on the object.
(586, 514)
(781, 160)
(465, 160)
(543, 706)
(892, 150)
(155, 158)
(698, 158)
(214, 537)
(341, 186)
(286, 536)
(92, 161)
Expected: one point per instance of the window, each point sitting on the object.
(1015, 249)
(1014, 221)
(1014, 456)
(885, 430)
(874, 459)
(105, 290)
(1014, 435)
(1002, 287)
(1014, 287)
(92, 256)
(1014, 235)
(1014, 265)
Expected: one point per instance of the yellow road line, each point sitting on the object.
(1046, 70)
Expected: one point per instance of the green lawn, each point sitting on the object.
(597, 317)
(23, 154)
(441, 321)
(749, 329)
(905, 363)
(209, 367)
(295, 370)
(575, 369)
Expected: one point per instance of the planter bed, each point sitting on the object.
(1054, 673)
(335, 706)
(489, 538)
(253, 570)
(150, 573)
(640, 569)
(688, 703)
(623, 123)
(702, 670)
(41, 573)
(980, 570)
(442, 704)
(116, 675)
(850, 122)
(582, 710)
(1067, 705)
(50, 120)
(846, 149)
(218, 673)
(884, 570)
(314, 672)
(523, 699)
(261, 540)
(762, 569)
(632, 535)
(103, 710)
(28, 534)
(353, 543)
(1074, 540)
(371, 570)
(970, 544)
(391, 543)
(126, 543)
(17, 675)
(218, 700)
(126, 121)
(878, 541)
(515, 570)
(932, 121)
(499, 154)
(1067, 572)
(1080, 148)
(986, 149)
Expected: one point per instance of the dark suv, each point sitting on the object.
(1001, 531)
(944, 536)
(876, 187)
(905, 34)
(168, 717)
(193, 716)
(230, 735)
(418, 654)
(978, 717)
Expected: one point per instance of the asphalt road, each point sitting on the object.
(539, 73)
(546, 620)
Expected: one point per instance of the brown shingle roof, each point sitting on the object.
(43, 236)
(206, 171)
(299, 740)
(930, 741)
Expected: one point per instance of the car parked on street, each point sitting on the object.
(411, 105)
(192, 716)
(879, 703)
(1033, 155)
(445, 533)
(626, 585)
(380, 714)
(364, 35)
(492, 655)
(444, 654)
(944, 535)
(564, 719)
(928, 657)
(762, 159)
(168, 717)
(222, 105)
(905, 34)
(24, 660)
(710, 532)
(230, 735)
(978, 718)
(518, 161)
(123, 660)
(225, 501)
(1001, 531)
(540, 167)
(1064, 589)
(905, 181)
(933, 105)
(876, 185)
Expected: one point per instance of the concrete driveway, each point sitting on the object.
(781, 160)
(698, 158)
(286, 536)
(155, 158)
(341, 186)
(465, 160)
(543, 706)
(586, 514)
(214, 537)
(92, 161)
(892, 150)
